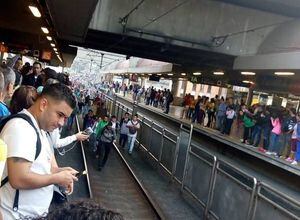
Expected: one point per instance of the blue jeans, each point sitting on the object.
(286, 144)
(274, 146)
(297, 156)
(131, 141)
(256, 135)
(266, 135)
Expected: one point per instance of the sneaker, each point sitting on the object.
(242, 140)
(269, 153)
(289, 159)
(248, 143)
(294, 163)
(129, 152)
(282, 157)
(262, 150)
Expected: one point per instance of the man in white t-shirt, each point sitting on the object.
(34, 178)
(133, 126)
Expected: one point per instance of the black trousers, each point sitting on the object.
(106, 148)
(123, 140)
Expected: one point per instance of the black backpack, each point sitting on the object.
(37, 152)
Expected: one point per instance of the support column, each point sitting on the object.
(249, 96)
(175, 85)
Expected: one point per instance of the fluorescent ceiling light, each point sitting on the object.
(45, 30)
(197, 74)
(49, 38)
(284, 73)
(54, 49)
(35, 11)
(52, 45)
(159, 74)
(247, 81)
(170, 74)
(248, 73)
(183, 74)
(219, 73)
(59, 58)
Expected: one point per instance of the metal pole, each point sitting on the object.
(187, 158)
(149, 140)
(211, 188)
(114, 105)
(161, 146)
(176, 153)
(250, 209)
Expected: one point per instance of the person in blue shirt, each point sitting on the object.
(7, 81)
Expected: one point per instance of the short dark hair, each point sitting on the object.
(38, 63)
(60, 92)
(113, 116)
(77, 210)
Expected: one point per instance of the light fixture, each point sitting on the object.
(219, 73)
(49, 38)
(52, 45)
(159, 74)
(162, 78)
(54, 49)
(56, 52)
(197, 74)
(35, 11)
(284, 73)
(59, 58)
(248, 82)
(45, 30)
(170, 74)
(248, 73)
(183, 74)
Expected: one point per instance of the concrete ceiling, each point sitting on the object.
(289, 8)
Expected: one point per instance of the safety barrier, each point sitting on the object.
(222, 189)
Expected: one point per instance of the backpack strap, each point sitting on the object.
(37, 151)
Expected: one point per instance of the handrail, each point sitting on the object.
(84, 160)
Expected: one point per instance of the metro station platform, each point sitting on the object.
(233, 140)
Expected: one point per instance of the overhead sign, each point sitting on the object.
(206, 81)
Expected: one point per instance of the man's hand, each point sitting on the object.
(69, 189)
(64, 178)
(81, 136)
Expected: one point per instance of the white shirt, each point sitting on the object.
(21, 138)
(57, 142)
(136, 124)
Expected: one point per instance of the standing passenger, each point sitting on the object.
(276, 131)
(124, 130)
(7, 81)
(133, 126)
(107, 139)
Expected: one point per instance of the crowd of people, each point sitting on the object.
(159, 98)
(35, 104)
(277, 125)
(272, 130)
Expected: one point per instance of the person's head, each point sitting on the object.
(9, 77)
(126, 115)
(113, 118)
(53, 106)
(18, 64)
(23, 98)
(78, 210)
(37, 68)
(109, 125)
(105, 118)
(135, 117)
(90, 113)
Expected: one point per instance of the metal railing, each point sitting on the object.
(84, 160)
(222, 189)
